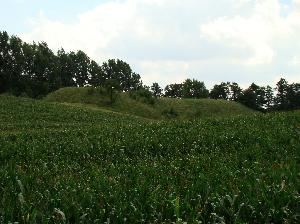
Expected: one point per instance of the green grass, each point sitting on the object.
(73, 164)
(185, 108)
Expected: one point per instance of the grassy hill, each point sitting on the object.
(73, 164)
(161, 108)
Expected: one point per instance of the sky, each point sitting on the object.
(167, 41)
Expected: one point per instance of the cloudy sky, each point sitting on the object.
(170, 40)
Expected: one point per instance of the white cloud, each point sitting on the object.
(296, 1)
(174, 71)
(169, 40)
(295, 61)
(94, 30)
(259, 31)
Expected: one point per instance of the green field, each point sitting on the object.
(62, 163)
(184, 108)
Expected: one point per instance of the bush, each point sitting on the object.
(170, 113)
(142, 95)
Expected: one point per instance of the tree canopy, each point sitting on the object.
(35, 70)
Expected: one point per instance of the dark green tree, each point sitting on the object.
(281, 100)
(192, 88)
(113, 87)
(45, 77)
(173, 90)
(293, 96)
(66, 68)
(135, 81)
(269, 98)
(235, 91)
(156, 90)
(143, 94)
(5, 61)
(221, 91)
(28, 70)
(256, 97)
(121, 72)
(97, 77)
(82, 63)
(16, 82)
(249, 97)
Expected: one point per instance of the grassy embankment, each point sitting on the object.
(160, 109)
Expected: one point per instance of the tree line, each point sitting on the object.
(284, 96)
(34, 70)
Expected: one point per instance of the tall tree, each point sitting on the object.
(256, 97)
(112, 86)
(235, 91)
(173, 90)
(249, 97)
(66, 68)
(194, 89)
(221, 91)
(281, 100)
(16, 66)
(269, 98)
(45, 75)
(81, 63)
(293, 95)
(135, 81)
(4, 62)
(156, 90)
(29, 67)
(121, 72)
(97, 77)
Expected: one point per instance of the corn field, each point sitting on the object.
(65, 164)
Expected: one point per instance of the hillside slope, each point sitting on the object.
(161, 109)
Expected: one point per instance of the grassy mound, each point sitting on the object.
(69, 164)
(160, 109)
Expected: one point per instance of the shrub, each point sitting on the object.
(170, 113)
(143, 95)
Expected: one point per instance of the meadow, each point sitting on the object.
(63, 163)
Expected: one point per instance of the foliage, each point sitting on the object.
(112, 87)
(156, 90)
(235, 91)
(34, 70)
(173, 90)
(226, 91)
(170, 113)
(282, 92)
(257, 98)
(221, 91)
(192, 88)
(288, 95)
(143, 94)
(121, 72)
(293, 95)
